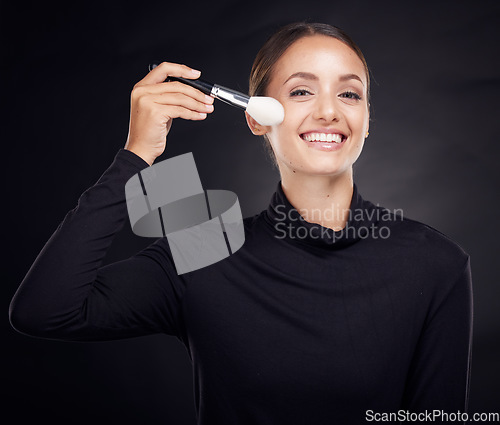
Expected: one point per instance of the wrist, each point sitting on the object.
(141, 154)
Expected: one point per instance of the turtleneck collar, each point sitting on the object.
(289, 225)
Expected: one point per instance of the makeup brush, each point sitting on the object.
(265, 110)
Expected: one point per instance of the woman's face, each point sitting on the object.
(322, 84)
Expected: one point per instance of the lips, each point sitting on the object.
(326, 140)
(321, 136)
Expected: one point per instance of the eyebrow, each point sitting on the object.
(313, 77)
(304, 75)
(351, 77)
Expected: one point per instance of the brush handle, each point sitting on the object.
(203, 86)
(229, 96)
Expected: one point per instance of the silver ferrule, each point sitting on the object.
(232, 97)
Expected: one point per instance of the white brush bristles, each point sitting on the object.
(265, 110)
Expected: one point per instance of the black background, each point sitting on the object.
(67, 71)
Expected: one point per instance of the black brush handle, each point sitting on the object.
(203, 86)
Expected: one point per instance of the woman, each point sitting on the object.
(333, 311)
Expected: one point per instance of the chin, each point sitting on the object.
(327, 171)
(326, 165)
(321, 168)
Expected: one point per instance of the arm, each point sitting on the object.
(440, 371)
(66, 295)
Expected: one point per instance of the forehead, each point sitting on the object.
(320, 55)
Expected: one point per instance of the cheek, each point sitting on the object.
(282, 135)
(358, 121)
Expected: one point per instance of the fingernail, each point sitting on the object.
(208, 99)
(202, 115)
(195, 72)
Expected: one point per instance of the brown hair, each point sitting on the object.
(280, 41)
(276, 46)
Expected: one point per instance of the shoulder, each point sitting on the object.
(252, 223)
(428, 237)
(427, 246)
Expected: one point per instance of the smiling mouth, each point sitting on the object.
(323, 137)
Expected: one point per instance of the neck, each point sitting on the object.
(324, 200)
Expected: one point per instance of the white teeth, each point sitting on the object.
(322, 137)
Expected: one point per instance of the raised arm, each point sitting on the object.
(66, 294)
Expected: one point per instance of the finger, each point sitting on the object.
(166, 69)
(174, 111)
(176, 87)
(179, 99)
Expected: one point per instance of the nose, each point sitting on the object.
(325, 108)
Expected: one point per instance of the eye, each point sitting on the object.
(300, 92)
(350, 95)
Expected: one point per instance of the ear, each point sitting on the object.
(255, 127)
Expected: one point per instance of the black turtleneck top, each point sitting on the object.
(302, 325)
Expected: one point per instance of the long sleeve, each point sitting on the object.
(67, 295)
(300, 328)
(440, 371)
